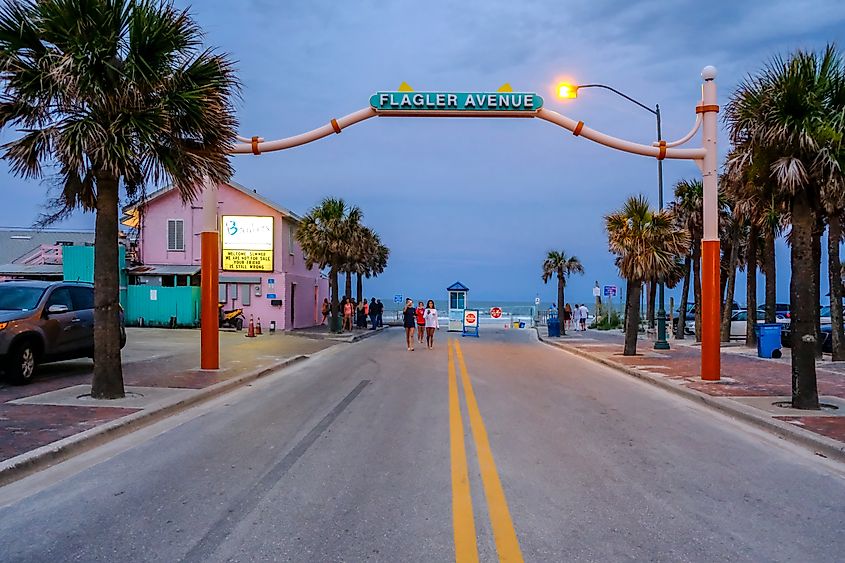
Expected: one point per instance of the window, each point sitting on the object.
(175, 235)
(290, 239)
(83, 298)
(60, 296)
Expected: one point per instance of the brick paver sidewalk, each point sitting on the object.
(745, 377)
(153, 358)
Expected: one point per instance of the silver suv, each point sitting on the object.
(45, 322)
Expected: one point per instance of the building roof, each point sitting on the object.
(164, 270)
(15, 243)
(52, 270)
(131, 210)
(457, 286)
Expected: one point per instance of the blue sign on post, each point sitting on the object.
(610, 291)
(397, 298)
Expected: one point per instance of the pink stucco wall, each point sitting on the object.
(288, 263)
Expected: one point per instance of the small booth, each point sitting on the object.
(457, 304)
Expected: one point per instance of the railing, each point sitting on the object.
(44, 254)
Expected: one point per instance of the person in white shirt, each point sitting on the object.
(576, 316)
(584, 313)
(431, 323)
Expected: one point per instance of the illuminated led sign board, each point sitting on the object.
(247, 243)
(457, 103)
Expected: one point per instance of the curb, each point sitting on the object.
(820, 445)
(25, 464)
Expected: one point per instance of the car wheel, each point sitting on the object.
(21, 363)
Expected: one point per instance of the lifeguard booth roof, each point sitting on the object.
(457, 286)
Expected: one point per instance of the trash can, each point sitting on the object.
(553, 326)
(768, 340)
(522, 324)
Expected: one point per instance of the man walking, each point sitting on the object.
(584, 312)
(380, 312)
(373, 314)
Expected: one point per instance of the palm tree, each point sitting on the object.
(371, 259)
(323, 237)
(557, 263)
(648, 245)
(688, 212)
(786, 119)
(112, 94)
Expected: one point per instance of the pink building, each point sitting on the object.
(266, 275)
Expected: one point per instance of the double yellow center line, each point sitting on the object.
(466, 546)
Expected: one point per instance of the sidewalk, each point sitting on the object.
(161, 374)
(749, 387)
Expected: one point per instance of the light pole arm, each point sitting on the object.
(618, 93)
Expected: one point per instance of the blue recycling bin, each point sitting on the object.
(553, 324)
(768, 340)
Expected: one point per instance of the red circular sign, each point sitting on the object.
(471, 318)
(496, 312)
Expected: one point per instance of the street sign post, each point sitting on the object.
(496, 312)
(397, 298)
(610, 291)
(470, 323)
(456, 103)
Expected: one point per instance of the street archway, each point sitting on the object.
(407, 103)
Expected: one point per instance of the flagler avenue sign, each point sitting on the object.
(458, 103)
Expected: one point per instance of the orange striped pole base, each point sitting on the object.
(209, 339)
(710, 311)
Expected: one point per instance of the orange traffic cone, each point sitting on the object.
(258, 327)
(250, 332)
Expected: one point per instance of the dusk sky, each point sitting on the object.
(479, 200)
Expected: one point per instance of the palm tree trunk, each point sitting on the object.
(771, 279)
(632, 317)
(682, 315)
(696, 287)
(834, 267)
(348, 287)
(730, 287)
(359, 287)
(802, 302)
(561, 284)
(107, 382)
(652, 299)
(818, 230)
(751, 288)
(334, 285)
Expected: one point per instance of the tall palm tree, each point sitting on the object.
(687, 208)
(557, 263)
(648, 245)
(785, 121)
(371, 260)
(112, 94)
(323, 237)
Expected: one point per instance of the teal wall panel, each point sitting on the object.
(156, 304)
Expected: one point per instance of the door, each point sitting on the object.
(292, 305)
(60, 329)
(83, 307)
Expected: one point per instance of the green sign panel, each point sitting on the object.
(458, 102)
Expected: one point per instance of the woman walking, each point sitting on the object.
(325, 311)
(409, 319)
(420, 312)
(576, 317)
(431, 323)
(348, 307)
(567, 316)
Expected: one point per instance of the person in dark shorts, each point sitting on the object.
(409, 321)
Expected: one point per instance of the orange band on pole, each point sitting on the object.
(662, 154)
(577, 130)
(255, 150)
(707, 108)
(710, 311)
(335, 126)
(209, 294)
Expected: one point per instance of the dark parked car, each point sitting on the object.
(45, 322)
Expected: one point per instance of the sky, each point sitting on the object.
(479, 200)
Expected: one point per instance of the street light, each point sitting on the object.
(570, 91)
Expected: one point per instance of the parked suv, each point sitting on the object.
(45, 322)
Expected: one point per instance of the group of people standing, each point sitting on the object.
(357, 313)
(575, 316)
(423, 319)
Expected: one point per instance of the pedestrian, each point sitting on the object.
(360, 316)
(347, 309)
(576, 316)
(380, 312)
(326, 308)
(409, 321)
(420, 312)
(567, 316)
(366, 313)
(373, 314)
(431, 323)
(584, 314)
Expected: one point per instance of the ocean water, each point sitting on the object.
(514, 308)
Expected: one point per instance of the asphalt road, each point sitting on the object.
(496, 447)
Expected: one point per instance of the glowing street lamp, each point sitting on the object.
(567, 91)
